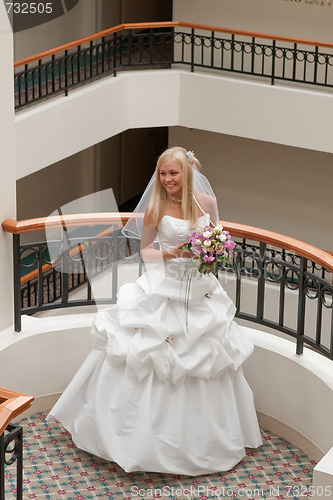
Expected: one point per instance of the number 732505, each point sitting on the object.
(29, 8)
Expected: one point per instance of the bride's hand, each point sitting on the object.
(184, 254)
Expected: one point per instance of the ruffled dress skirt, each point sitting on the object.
(162, 388)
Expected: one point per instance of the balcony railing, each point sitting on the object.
(161, 45)
(12, 404)
(290, 282)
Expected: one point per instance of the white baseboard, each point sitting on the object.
(289, 434)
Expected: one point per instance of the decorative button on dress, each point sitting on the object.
(162, 388)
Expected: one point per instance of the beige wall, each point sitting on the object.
(41, 193)
(271, 186)
(79, 22)
(302, 19)
(124, 163)
(139, 99)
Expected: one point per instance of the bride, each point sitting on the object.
(163, 389)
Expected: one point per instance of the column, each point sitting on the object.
(7, 167)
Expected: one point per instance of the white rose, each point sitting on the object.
(198, 242)
(218, 228)
(207, 243)
(222, 237)
(207, 234)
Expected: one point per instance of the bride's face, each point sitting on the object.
(171, 178)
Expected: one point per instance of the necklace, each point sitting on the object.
(176, 200)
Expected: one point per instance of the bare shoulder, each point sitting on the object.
(206, 202)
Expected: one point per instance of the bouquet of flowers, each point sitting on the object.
(211, 247)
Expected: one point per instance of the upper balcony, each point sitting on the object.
(165, 44)
(209, 78)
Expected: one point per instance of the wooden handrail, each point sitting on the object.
(314, 254)
(72, 220)
(12, 404)
(302, 249)
(168, 24)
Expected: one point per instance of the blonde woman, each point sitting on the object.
(173, 195)
(163, 389)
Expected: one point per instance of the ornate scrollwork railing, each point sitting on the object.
(161, 45)
(290, 277)
(290, 282)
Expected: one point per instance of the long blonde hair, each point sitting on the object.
(158, 197)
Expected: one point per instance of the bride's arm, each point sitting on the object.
(148, 252)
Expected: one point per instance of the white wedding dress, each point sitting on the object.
(163, 389)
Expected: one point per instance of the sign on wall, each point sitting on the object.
(321, 3)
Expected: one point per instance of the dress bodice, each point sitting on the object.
(172, 232)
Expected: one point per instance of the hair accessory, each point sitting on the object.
(190, 156)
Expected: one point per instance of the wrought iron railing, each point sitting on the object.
(64, 263)
(12, 404)
(290, 282)
(160, 45)
(292, 277)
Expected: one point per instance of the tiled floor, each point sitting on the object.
(55, 469)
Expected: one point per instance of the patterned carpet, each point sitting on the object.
(55, 469)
